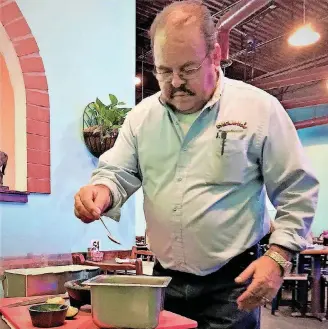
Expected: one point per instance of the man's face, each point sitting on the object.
(186, 71)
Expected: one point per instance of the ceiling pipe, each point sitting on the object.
(311, 122)
(293, 78)
(312, 62)
(232, 18)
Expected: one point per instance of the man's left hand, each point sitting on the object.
(267, 280)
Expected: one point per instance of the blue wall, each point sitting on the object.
(88, 49)
(315, 142)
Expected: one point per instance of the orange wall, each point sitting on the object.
(7, 122)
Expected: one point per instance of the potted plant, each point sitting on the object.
(101, 124)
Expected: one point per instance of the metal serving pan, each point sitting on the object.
(127, 301)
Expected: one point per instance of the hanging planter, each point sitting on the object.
(101, 124)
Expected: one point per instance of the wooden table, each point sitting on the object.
(316, 274)
(111, 265)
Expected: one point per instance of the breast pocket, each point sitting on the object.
(227, 161)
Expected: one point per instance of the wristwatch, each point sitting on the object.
(285, 265)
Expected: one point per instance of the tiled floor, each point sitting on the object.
(283, 320)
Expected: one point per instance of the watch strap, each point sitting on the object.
(280, 260)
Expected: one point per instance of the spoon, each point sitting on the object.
(110, 237)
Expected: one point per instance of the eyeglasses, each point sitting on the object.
(187, 73)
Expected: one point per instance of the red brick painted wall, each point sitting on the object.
(37, 97)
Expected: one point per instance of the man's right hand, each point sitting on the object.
(91, 201)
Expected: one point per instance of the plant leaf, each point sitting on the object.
(100, 103)
(125, 110)
(107, 117)
(116, 126)
(113, 99)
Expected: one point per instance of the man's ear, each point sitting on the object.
(216, 55)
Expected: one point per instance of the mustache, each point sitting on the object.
(182, 89)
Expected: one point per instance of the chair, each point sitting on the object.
(143, 253)
(324, 293)
(300, 284)
(147, 257)
(304, 264)
(110, 266)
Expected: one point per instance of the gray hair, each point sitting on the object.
(192, 9)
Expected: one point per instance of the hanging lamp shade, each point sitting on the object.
(304, 36)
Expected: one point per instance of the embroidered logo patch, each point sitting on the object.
(242, 125)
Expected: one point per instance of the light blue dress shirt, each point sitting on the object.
(204, 191)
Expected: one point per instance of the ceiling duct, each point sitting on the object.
(236, 15)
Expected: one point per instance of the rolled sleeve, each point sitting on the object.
(290, 183)
(118, 170)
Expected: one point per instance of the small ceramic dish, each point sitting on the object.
(48, 315)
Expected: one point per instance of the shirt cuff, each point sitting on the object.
(290, 241)
(115, 210)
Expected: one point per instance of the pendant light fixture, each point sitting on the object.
(305, 35)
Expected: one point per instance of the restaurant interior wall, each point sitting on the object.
(83, 59)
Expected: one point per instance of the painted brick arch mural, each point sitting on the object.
(37, 97)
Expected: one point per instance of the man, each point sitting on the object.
(204, 149)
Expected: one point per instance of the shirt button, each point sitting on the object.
(179, 179)
(175, 209)
(184, 149)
